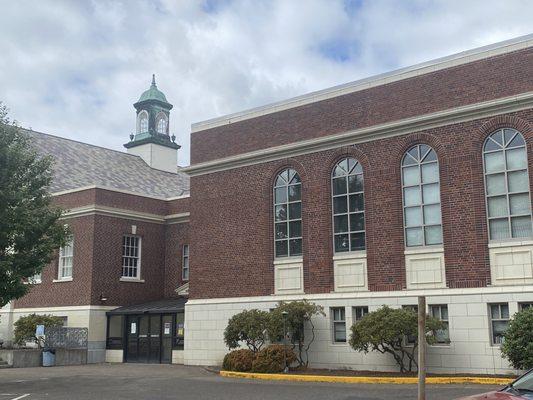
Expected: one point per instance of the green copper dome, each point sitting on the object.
(153, 93)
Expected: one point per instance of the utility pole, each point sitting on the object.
(421, 348)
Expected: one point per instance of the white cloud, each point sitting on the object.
(75, 68)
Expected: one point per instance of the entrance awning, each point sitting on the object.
(154, 307)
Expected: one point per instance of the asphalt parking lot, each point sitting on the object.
(154, 382)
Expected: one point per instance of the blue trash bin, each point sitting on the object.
(49, 357)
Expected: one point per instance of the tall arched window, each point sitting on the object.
(143, 122)
(162, 123)
(348, 206)
(288, 214)
(507, 185)
(421, 196)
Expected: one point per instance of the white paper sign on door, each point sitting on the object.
(167, 328)
(133, 328)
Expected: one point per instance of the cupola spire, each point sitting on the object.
(153, 80)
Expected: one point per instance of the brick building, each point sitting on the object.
(374, 192)
(129, 217)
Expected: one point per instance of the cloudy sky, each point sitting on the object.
(74, 68)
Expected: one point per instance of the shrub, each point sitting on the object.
(299, 314)
(250, 327)
(517, 345)
(25, 327)
(270, 359)
(386, 330)
(238, 360)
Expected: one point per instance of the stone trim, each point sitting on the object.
(438, 64)
(391, 129)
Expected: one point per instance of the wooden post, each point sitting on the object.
(421, 348)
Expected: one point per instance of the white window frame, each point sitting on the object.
(293, 181)
(435, 310)
(507, 194)
(409, 341)
(162, 117)
(63, 259)
(524, 304)
(129, 257)
(494, 342)
(423, 204)
(355, 313)
(185, 259)
(335, 322)
(355, 171)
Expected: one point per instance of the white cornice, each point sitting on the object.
(62, 308)
(93, 209)
(82, 188)
(464, 57)
(389, 129)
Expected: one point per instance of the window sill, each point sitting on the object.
(510, 243)
(288, 260)
(133, 280)
(62, 280)
(32, 283)
(423, 250)
(349, 255)
(341, 344)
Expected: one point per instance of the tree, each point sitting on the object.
(517, 344)
(386, 331)
(299, 315)
(29, 227)
(25, 327)
(250, 327)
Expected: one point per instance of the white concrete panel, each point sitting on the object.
(425, 268)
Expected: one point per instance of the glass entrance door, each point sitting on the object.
(154, 339)
(166, 339)
(132, 338)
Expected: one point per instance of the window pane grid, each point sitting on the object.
(499, 320)
(421, 197)
(130, 256)
(66, 254)
(339, 324)
(508, 201)
(185, 264)
(440, 312)
(348, 206)
(287, 214)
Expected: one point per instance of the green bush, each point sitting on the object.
(517, 345)
(238, 360)
(385, 331)
(25, 327)
(248, 327)
(270, 359)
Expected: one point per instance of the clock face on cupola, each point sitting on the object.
(152, 127)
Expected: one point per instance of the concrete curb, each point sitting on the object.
(368, 379)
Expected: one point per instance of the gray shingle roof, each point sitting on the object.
(80, 164)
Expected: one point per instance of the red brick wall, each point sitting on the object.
(231, 214)
(176, 236)
(77, 292)
(97, 259)
(482, 80)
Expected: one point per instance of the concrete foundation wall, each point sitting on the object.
(114, 356)
(23, 358)
(470, 349)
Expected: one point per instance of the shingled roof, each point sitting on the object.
(80, 164)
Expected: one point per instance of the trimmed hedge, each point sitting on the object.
(238, 360)
(271, 360)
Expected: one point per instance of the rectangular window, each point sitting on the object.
(131, 256)
(359, 312)
(523, 306)
(339, 324)
(66, 254)
(499, 321)
(185, 263)
(440, 312)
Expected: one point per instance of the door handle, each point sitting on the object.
(143, 336)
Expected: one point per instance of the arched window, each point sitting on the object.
(143, 122)
(421, 196)
(348, 206)
(288, 214)
(507, 185)
(162, 123)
